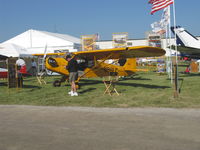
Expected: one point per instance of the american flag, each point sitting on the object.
(159, 4)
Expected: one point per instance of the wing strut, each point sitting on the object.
(96, 64)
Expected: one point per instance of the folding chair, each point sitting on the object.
(110, 82)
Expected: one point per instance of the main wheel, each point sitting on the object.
(56, 83)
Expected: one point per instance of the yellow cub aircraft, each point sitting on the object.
(93, 63)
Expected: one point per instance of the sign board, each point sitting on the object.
(89, 42)
(120, 39)
(154, 40)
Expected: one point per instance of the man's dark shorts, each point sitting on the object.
(73, 76)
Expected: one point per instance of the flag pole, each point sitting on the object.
(168, 68)
(156, 6)
(176, 91)
(174, 14)
(170, 47)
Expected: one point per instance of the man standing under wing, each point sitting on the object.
(73, 74)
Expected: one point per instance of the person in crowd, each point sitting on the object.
(72, 67)
(187, 70)
(33, 67)
(21, 68)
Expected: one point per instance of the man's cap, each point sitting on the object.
(68, 56)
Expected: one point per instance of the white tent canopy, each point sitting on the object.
(13, 50)
(35, 42)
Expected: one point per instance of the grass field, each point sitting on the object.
(143, 90)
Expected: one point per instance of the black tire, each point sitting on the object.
(56, 83)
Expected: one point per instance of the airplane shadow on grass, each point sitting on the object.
(134, 78)
(84, 82)
(143, 85)
(87, 90)
(94, 82)
(3, 84)
(190, 75)
(31, 87)
(24, 86)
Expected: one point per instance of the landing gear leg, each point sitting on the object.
(57, 83)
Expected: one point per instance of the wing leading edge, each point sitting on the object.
(118, 53)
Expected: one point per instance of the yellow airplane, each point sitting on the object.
(93, 63)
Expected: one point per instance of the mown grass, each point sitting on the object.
(143, 90)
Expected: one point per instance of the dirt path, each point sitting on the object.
(79, 128)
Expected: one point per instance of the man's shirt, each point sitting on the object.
(72, 66)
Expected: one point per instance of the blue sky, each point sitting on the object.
(82, 17)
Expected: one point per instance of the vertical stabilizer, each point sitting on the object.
(184, 38)
(130, 64)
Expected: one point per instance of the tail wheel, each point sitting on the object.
(77, 86)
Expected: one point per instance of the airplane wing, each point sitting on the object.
(50, 54)
(189, 51)
(119, 53)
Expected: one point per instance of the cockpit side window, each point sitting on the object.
(52, 62)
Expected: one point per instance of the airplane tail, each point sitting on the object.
(130, 64)
(184, 38)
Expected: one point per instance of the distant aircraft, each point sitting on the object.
(187, 44)
(93, 62)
